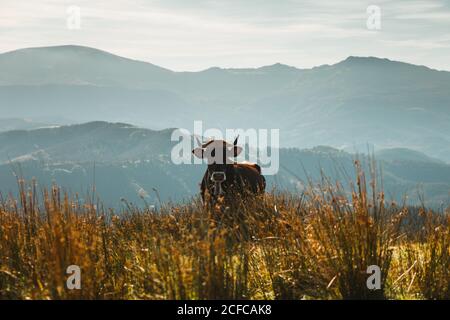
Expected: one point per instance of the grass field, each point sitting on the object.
(316, 245)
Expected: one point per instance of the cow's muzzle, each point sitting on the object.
(218, 177)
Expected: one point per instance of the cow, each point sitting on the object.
(225, 180)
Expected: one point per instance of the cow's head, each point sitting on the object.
(219, 155)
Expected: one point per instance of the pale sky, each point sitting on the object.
(195, 35)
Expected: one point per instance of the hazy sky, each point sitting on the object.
(194, 35)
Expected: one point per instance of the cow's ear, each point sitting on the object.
(198, 152)
(236, 151)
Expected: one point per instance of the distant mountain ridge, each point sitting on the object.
(8, 124)
(350, 104)
(125, 161)
(95, 141)
(403, 154)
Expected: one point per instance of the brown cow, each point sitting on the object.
(224, 178)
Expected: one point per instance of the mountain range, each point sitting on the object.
(123, 161)
(354, 103)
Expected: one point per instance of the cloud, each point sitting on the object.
(193, 35)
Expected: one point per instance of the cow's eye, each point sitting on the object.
(213, 153)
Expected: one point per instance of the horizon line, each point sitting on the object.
(218, 67)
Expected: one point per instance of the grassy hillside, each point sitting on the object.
(314, 246)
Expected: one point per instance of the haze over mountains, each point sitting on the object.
(353, 103)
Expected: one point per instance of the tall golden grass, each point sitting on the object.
(317, 245)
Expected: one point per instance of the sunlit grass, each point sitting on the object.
(317, 245)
